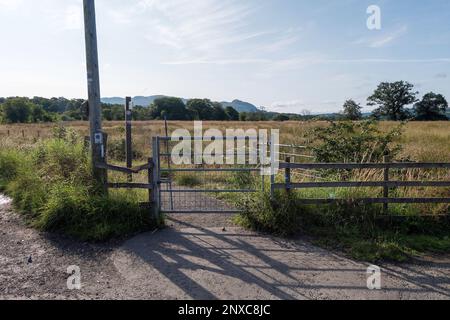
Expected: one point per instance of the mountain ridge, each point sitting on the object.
(145, 101)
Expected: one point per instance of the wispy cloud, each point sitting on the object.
(206, 31)
(385, 39)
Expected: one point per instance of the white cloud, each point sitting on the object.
(73, 19)
(204, 31)
(385, 39)
(10, 4)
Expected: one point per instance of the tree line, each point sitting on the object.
(390, 99)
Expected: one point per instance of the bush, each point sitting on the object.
(75, 211)
(117, 151)
(354, 142)
(279, 216)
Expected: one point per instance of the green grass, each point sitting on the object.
(360, 231)
(52, 186)
(187, 180)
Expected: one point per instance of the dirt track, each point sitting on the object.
(197, 258)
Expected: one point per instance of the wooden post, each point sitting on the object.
(99, 148)
(150, 180)
(128, 142)
(287, 176)
(39, 134)
(155, 179)
(23, 134)
(386, 187)
(93, 79)
(272, 174)
(8, 133)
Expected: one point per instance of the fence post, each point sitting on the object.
(287, 175)
(386, 187)
(272, 173)
(150, 180)
(23, 134)
(155, 179)
(99, 150)
(128, 142)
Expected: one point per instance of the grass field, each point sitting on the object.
(422, 141)
(350, 228)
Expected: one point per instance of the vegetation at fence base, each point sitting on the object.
(52, 186)
(261, 212)
(187, 180)
(361, 231)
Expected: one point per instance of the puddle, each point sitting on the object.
(4, 200)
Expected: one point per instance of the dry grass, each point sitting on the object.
(422, 141)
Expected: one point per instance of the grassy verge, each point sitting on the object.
(358, 230)
(51, 185)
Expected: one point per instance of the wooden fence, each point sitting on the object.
(386, 184)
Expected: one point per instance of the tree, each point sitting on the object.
(172, 108)
(432, 108)
(391, 99)
(200, 109)
(281, 118)
(219, 113)
(38, 114)
(352, 110)
(17, 110)
(232, 114)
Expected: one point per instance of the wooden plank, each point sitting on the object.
(114, 168)
(376, 200)
(128, 185)
(124, 170)
(348, 166)
(364, 184)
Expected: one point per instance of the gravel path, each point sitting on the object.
(198, 258)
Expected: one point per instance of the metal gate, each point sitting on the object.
(202, 188)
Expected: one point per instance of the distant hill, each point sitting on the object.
(240, 106)
(138, 101)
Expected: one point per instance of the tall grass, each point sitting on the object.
(51, 184)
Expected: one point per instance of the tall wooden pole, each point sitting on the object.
(97, 137)
(128, 142)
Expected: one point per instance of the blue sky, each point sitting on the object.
(286, 55)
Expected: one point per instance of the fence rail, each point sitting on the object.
(386, 184)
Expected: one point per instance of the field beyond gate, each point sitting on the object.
(198, 187)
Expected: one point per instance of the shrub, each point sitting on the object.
(354, 142)
(75, 211)
(279, 215)
(117, 151)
